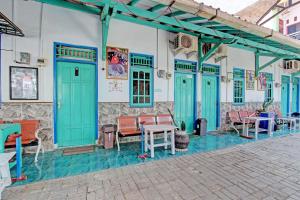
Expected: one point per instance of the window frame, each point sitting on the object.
(139, 68)
(272, 89)
(242, 79)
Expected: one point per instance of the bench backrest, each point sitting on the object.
(147, 119)
(127, 123)
(243, 114)
(164, 119)
(234, 116)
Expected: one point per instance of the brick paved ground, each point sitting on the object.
(268, 169)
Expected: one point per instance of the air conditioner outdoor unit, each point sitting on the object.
(184, 43)
(291, 66)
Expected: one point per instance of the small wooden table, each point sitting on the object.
(5, 131)
(257, 121)
(150, 129)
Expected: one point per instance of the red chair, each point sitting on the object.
(127, 126)
(28, 129)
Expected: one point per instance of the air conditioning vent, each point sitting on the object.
(184, 43)
(291, 66)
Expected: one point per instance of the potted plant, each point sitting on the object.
(182, 139)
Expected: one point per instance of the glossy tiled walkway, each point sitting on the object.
(264, 170)
(54, 165)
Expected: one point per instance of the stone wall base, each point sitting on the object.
(108, 113)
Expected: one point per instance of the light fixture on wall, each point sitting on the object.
(227, 78)
(277, 85)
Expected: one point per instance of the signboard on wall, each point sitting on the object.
(116, 63)
(250, 82)
(23, 83)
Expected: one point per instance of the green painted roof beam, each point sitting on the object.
(200, 54)
(172, 21)
(105, 19)
(191, 19)
(268, 63)
(156, 7)
(193, 27)
(176, 13)
(210, 53)
(256, 56)
(133, 2)
(151, 24)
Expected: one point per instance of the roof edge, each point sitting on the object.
(202, 10)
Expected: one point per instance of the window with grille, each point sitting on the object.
(238, 86)
(269, 87)
(141, 80)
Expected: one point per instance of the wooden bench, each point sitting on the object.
(130, 125)
(235, 118)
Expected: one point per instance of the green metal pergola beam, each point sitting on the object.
(193, 27)
(105, 19)
(176, 13)
(209, 53)
(171, 21)
(268, 63)
(156, 7)
(133, 2)
(151, 24)
(256, 55)
(191, 19)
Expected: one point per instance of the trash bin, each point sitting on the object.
(265, 124)
(108, 136)
(201, 126)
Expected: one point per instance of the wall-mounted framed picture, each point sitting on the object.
(261, 82)
(250, 81)
(116, 63)
(23, 83)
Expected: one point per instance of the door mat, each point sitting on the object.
(78, 150)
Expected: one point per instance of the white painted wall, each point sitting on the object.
(74, 27)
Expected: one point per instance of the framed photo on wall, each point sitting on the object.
(250, 81)
(23, 83)
(116, 63)
(261, 82)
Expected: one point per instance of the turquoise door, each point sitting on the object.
(285, 89)
(209, 101)
(295, 95)
(184, 100)
(76, 104)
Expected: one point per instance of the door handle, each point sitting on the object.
(58, 104)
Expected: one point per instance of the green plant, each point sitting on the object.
(182, 126)
(266, 104)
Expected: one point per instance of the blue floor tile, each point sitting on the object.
(53, 165)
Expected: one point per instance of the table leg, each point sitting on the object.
(244, 127)
(173, 141)
(19, 156)
(151, 144)
(256, 128)
(270, 125)
(166, 139)
(146, 140)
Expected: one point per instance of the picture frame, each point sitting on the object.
(117, 63)
(250, 80)
(23, 83)
(261, 82)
